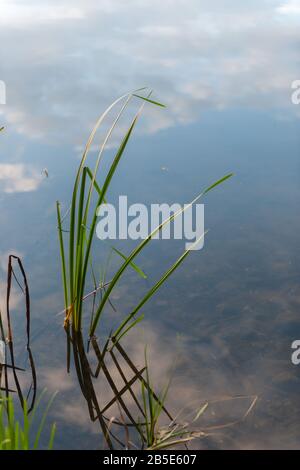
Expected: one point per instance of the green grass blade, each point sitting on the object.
(139, 248)
(96, 186)
(100, 154)
(26, 426)
(105, 187)
(150, 399)
(42, 423)
(75, 191)
(145, 412)
(134, 323)
(161, 281)
(62, 255)
(81, 230)
(52, 437)
(133, 265)
(220, 181)
(149, 101)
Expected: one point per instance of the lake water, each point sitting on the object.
(228, 316)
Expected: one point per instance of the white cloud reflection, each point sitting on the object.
(63, 62)
(209, 374)
(17, 13)
(290, 7)
(17, 178)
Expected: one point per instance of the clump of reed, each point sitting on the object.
(87, 197)
(76, 242)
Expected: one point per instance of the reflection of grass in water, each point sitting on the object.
(88, 195)
(75, 273)
(13, 434)
(157, 436)
(185, 427)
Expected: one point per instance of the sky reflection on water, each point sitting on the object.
(232, 311)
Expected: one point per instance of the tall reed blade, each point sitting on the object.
(140, 247)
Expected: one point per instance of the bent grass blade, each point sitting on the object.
(152, 291)
(140, 247)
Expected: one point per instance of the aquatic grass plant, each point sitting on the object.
(87, 197)
(158, 436)
(16, 435)
(182, 432)
(76, 243)
(152, 408)
(112, 353)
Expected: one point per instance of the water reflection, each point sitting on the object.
(234, 308)
(61, 65)
(184, 402)
(8, 358)
(230, 315)
(14, 178)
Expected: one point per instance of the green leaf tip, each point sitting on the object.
(150, 101)
(220, 181)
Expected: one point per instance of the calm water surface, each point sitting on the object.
(228, 316)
